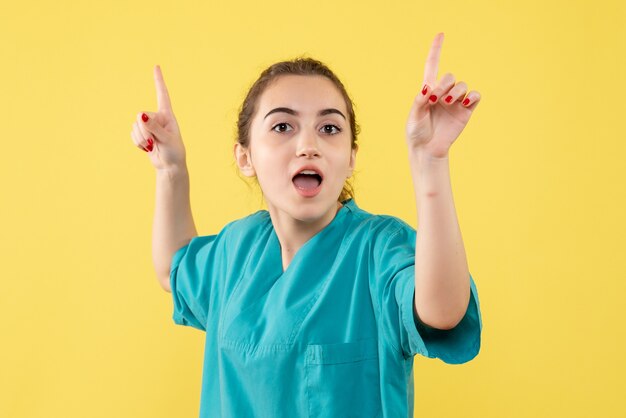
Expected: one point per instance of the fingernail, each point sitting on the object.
(149, 147)
(144, 117)
(448, 99)
(433, 98)
(424, 90)
(150, 141)
(465, 102)
(144, 149)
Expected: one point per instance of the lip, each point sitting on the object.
(308, 167)
(308, 192)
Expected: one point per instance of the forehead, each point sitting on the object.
(306, 93)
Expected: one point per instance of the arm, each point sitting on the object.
(442, 288)
(173, 221)
(439, 114)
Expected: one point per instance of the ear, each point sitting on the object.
(244, 160)
(352, 160)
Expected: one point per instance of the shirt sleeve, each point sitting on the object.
(396, 278)
(192, 280)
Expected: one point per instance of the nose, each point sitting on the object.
(307, 145)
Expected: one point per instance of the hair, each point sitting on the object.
(298, 66)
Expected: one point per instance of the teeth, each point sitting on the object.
(307, 172)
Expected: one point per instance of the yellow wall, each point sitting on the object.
(538, 180)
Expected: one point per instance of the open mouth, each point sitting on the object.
(307, 180)
(308, 183)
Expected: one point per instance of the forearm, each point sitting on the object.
(442, 286)
(173, 221)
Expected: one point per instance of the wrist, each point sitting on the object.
(428, 172)
(421, 157)
(173, 173)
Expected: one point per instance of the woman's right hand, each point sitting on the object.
(159, 134)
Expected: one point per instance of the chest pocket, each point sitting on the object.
(343, 379)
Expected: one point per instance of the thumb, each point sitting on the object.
(420, 107)
(151, 124)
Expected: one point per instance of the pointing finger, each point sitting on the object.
(432, 62)
(163, 98)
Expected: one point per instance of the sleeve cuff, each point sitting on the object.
(454, 346)
(180, 307)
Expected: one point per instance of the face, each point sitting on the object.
(300, 121)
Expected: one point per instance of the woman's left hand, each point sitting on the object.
(440, 111)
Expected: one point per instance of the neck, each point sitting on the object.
(293, 233)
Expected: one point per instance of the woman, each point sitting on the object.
(315, 307)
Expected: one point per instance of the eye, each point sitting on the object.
(331, 132)
(282, 124)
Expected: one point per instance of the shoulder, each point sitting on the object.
(389, 243)
(379, 227)
(248, 227)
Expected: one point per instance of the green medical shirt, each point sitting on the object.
(332, 336)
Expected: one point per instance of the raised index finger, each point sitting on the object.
(432, 62)
(163, 98)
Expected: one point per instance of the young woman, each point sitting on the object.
(315, 307)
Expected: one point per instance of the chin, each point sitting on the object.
(307, 213)
(315, 208)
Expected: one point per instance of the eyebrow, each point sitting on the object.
(293, 112)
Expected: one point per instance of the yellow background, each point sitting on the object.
(538, 180)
